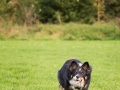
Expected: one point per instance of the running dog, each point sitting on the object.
(74, 75)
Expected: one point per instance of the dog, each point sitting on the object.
(74, 75)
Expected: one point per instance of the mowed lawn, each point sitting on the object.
(33, 65)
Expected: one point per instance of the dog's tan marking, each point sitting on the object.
(71, 88)
(86, 77)
(60, 87)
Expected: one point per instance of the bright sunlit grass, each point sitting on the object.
(33, 65)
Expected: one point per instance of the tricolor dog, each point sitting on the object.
(74, 75)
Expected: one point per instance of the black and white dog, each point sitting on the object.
(74, 75)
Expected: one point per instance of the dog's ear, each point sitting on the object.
(85, 66)
(73, 65)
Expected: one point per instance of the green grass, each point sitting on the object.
(33, 65)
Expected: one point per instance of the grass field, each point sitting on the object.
(33, 65)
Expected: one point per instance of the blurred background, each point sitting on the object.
(60, 19)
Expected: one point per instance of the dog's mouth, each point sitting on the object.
(77, 81)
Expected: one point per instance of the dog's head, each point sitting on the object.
(78, 74)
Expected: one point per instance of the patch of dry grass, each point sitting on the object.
(70, 31)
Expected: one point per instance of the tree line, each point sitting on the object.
(30, 12)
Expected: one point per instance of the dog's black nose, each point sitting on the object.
(77, 76)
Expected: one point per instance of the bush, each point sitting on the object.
(70, 31)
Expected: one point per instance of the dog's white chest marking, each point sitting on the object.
(73, 88)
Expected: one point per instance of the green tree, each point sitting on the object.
(29, 12)
(47, 10)
(66, 10)
(18, 11)
(112, 8)
(100, 6)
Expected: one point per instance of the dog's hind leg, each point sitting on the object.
(60, 87)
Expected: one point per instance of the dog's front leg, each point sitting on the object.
(60, 87)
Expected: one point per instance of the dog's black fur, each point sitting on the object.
(71, 68)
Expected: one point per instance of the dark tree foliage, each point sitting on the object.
(69, 10)
(112, 8)
(47, 10)
(59, 11)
